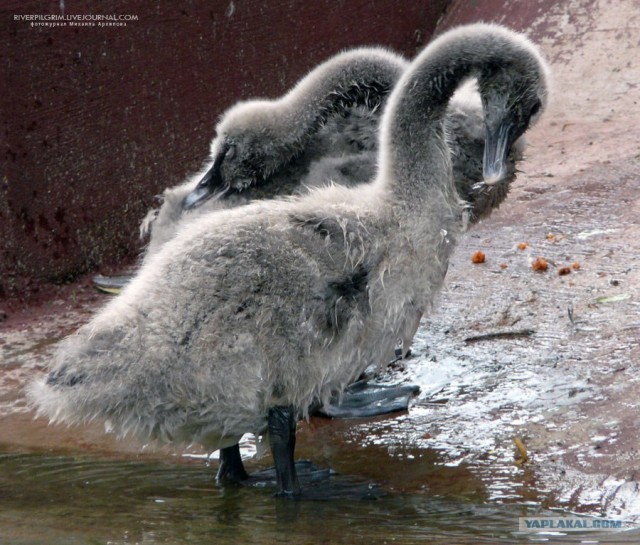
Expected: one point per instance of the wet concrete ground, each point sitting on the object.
(566, 384)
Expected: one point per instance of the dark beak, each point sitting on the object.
(496, 149)
(211, 184)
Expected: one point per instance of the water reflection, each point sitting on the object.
(53, 499)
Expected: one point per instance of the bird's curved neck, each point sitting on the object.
(332, 90)
(415, 160)
(415, 155)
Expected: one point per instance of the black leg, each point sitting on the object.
(282, 440)
(231, 467)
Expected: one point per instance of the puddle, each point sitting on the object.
(442, 473)
(57, 499)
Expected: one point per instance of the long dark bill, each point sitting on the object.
(496, 149)
(210, 185)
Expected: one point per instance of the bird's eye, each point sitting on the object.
(536, 108)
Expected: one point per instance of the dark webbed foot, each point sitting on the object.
(231, 467)
(364, 399)
(318, 483)
(282, 440)
(111, 284)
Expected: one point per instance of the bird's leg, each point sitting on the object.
(282, 440)
(231, 468)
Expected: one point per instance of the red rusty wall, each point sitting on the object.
(524, 16)
(515, 14)
(96, 121)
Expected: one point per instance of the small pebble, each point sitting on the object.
(540, 265)
(478, 257)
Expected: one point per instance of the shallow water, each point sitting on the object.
(62, 499)
(443, 473)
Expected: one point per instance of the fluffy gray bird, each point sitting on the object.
(244, 320)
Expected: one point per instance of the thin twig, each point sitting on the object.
(500, 335)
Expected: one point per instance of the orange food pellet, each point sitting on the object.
(551, 237)
(478, 257)
(575, 266)
(540, 265)
(523, 246)
(562, 271)
(503, 265)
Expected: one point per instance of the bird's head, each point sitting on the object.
(244, 152)
(513, 97)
